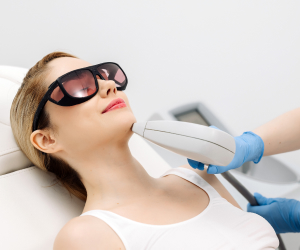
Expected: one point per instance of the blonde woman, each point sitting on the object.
(74, 119)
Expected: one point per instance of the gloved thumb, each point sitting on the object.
(261, 200)
(213, 169)
(196, 164)
(253, 209)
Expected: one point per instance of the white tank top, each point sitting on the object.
(220, 226)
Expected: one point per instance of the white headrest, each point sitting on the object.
(11, 157)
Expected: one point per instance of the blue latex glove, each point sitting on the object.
(283, 214)
(248, 147)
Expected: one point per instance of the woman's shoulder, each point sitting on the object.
(86, 232)
(213, 181)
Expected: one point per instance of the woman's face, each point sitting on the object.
(83, 127)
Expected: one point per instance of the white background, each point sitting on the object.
(240, 58)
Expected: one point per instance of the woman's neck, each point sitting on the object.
(113, 177)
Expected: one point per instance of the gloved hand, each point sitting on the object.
(283, 214)
(248, 147)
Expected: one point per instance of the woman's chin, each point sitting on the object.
(123, 115)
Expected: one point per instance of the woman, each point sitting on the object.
(85, 144)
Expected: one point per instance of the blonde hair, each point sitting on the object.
(22, 113)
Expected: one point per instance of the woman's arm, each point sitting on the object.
(281, 134)
(215, 183)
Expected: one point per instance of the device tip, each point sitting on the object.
(139, 128)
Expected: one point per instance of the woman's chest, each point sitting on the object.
(181, 201)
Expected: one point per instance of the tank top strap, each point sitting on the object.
(111, 220)
(194, 178)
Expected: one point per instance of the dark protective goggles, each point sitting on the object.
(80, 85)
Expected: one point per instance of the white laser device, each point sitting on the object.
(197, 142)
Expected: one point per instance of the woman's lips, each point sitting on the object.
(121, 105)
(115, 104)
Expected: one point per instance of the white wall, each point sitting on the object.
(240, 58)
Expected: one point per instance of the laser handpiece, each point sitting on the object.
(194, 141)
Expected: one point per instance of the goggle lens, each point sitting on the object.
(111, 71)
(81, 83)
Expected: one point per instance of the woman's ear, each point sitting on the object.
(44, 141)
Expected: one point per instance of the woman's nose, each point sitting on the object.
(107, 87)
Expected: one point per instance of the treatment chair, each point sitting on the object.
(32, 212)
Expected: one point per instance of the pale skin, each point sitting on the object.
(96, 145)
(281, 134)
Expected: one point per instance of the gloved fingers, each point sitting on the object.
(254, 209)
(196, 164)
(213, 169)
(261, 200)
